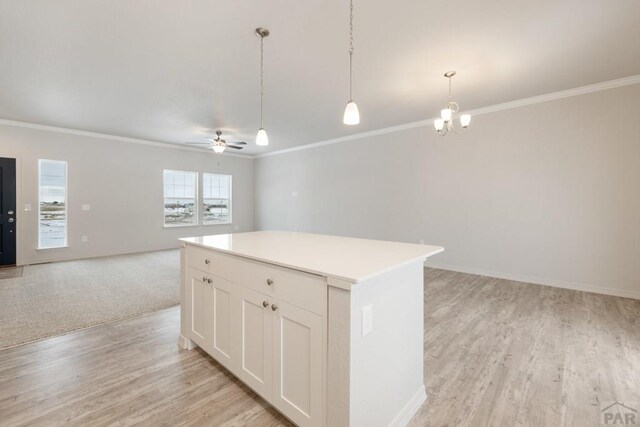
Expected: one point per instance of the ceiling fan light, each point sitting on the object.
(262, 138)
(219, 149)
(446, 114)
(465, 119)
(438, 124)
(351, 114)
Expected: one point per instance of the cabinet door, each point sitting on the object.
(225, 332)
(255, 341)
(201, 322)
(298, 364)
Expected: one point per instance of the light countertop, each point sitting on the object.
(343, 258)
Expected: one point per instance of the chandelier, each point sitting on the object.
(445, 123)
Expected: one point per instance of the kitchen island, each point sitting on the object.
(327, 329)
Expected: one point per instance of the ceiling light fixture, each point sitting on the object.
(445, 123)
(261, 137)
(351, 113)
(218, 144)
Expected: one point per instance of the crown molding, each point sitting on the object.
(97, 135)
(582, 90)
(610, 84)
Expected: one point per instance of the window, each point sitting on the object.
(180, 198)
(216, 199)
(52, 204)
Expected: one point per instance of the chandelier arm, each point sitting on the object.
(457, 131)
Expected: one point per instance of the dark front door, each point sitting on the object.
(7, 211)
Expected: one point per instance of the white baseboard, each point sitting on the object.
(410, 409)
(538, 280)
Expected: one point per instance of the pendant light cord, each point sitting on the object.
(350, 50)
(261, 78)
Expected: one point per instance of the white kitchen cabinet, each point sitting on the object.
(201, 297)
(284, 312)
(272, 346)
(298, 364)
(255, 342)
(225, 302)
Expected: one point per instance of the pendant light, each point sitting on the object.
(261, 137)
(351, 113)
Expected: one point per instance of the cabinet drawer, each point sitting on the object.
(304, 290)
(199, 258)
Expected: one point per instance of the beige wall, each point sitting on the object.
(122, 182)
(547, 193)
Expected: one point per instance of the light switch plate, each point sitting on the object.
(86, 207)
(85, 239)
(27, 207)
(367, 320)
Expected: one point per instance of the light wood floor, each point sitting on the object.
(497, 353)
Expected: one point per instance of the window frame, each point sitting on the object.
(66, 204)
(196, 203)
(230, 221)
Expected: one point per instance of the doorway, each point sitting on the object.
(7, 212)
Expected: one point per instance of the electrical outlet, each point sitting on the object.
(85, 239)
(27, 207)
(367, 320)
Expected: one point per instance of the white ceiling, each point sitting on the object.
(175, 71)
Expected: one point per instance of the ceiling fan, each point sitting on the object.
(219, 145)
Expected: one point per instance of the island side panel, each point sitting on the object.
(386, 379)
(185, 306)
(338, 353)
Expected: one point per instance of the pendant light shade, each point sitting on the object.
(262, 138)
(351, 114)
(218, 149)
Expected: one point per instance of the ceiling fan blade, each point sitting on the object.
(234, 147)
(198, 143)
(239, 143)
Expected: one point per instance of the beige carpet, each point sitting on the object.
(52, 299)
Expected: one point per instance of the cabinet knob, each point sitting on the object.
(265, 304)
(274, 307)
(209, 281)
(204, 279)
(206, 261)
(269, 282)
